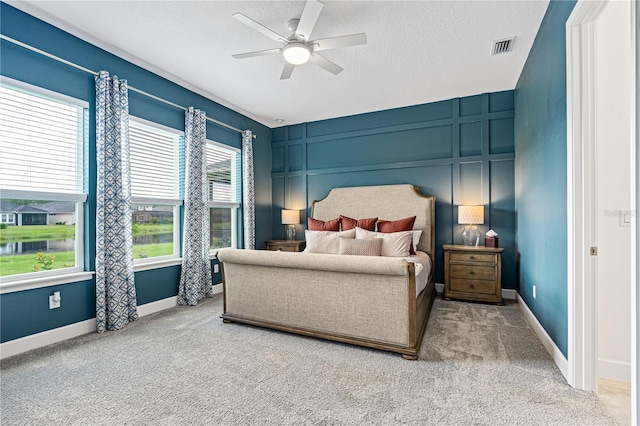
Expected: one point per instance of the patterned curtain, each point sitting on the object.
(115, 287)
(195, 277)
(248, 199)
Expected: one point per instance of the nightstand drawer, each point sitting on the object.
(285, 245)
(473, 286)
(283, 248)
(472, 272)
(472, 257)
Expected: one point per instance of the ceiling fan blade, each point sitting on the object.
(341, 41)
(259, 27)
(308, 19)
(286, 71)
(323, 62)
(258, 53)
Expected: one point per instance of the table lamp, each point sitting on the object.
(471, 216)
(290, 218)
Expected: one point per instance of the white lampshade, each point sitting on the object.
(290, 217)
(296, 53)
(471, 215)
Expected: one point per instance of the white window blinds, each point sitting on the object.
(41, 142)
(154, 161)
(223, 165)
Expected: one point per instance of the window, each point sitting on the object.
(223, 177)
(154, 191)
(43, 137)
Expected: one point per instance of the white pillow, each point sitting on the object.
(416, 239)
(325, 241)
(394, 244)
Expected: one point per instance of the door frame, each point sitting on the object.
(581, 194)
(582, 199)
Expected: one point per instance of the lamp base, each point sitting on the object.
(290, 232)
(471, 236)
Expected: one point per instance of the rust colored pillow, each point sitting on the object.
(398, 226)
(347, 223)
(321, 225)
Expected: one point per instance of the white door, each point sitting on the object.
(613, 189)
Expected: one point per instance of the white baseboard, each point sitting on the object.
(546, 340)
(614, 370)
(49, 337)
(157, 306)
(507, 293)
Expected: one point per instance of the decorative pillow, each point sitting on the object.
(348, 223)
(321, 225)
(396, 225)
(351, 246)
(394, 244)
(325, 241)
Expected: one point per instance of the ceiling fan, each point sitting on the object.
(298, 48)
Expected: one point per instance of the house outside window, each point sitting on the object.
(224, 184)
(43, 141)
(7, 218)
(155, 177)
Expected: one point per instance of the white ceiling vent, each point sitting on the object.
(502, 46)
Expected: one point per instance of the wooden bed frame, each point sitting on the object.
(269, 273)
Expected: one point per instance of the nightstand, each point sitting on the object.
(285, 245)
(473, 273)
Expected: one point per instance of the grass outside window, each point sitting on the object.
(18, 263)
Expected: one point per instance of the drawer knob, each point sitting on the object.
(471, 273)
(472, 286)
(472, 257)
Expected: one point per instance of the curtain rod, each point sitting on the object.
(88, 71)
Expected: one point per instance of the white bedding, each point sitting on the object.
(422, 261)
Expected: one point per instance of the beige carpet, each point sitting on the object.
(479, 364)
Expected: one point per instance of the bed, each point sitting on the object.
(373, 301)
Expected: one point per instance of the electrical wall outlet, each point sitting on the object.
(216, 268)
(54, 300)
(534, 291)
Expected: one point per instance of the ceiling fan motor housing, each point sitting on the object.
(293, 24)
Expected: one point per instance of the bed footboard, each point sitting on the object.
(360, 300)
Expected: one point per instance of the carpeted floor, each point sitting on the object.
(479, 364)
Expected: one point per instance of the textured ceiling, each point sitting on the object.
(417, 51)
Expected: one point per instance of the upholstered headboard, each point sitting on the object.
(389, 202)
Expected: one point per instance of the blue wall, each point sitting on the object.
(27, 312)
(541, 175)
(460, 150)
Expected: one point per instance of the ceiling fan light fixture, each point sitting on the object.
(296, 53)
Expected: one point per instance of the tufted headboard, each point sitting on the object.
(389, 202)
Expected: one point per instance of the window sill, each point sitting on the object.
(145, 266)
(40, 282)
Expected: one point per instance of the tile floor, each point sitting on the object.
(616, 397)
